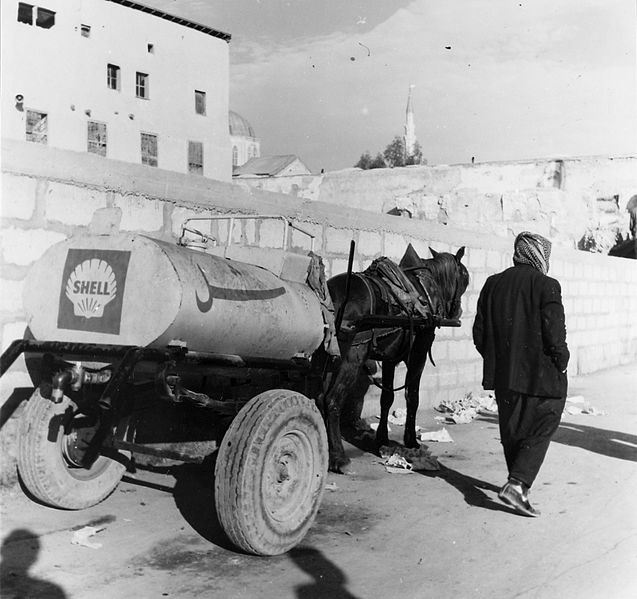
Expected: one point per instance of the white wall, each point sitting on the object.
(64, 74)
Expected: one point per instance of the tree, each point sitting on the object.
(394, 153)
(364, 161)
(378, 162)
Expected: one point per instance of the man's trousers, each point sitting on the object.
(527, 425)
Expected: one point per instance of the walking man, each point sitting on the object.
(520, 332)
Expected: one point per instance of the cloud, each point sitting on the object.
(518, 82)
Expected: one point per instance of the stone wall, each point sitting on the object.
(564, 199)
(49, 195)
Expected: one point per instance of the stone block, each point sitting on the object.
(11, 296)
(250, 232)
(12, 331)
(140, 213)
(476, 258)
(494, 260)
(180, 213)
(23, 246)
(301, 241)
(72, 204)
(337, 241)
(369, 243)
(335, 267)
(18, 196)
(394, 246)
(105, 221)
(271, 233)
(477, 279)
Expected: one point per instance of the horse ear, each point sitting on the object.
(411, 257)
(434, 253)
(460, 254)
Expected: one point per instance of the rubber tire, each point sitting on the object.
(43, 468)
(260, 513)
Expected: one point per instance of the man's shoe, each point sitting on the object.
(513, 495)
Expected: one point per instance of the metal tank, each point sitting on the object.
(129, 289)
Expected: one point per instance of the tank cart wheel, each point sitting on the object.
(270, 472)
(51, 442)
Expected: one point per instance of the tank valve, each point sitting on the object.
(60, 381)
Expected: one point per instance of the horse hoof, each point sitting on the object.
(339, 464)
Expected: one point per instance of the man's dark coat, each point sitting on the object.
(519, 330)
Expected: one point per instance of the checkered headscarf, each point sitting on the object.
(533, 249)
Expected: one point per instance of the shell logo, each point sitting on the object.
(90, 287)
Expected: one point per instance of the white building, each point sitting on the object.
(118, 79)
(245, 144)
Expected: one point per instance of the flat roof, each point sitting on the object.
(179, 20)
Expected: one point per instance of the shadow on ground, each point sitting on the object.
(20, 552)
(194, 497)
(613, 444)
(472, 489)
(328, 579)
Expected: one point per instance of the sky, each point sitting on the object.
(494, 79)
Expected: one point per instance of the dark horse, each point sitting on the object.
(439, 282)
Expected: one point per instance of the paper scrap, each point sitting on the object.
(81, 536)
(418, 459)
(374, 427)
(465, 409)
(441, 436)
(398, 417)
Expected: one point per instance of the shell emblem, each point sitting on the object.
(90, 287)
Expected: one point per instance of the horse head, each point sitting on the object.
(443, 279)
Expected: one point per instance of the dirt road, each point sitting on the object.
(377, 534)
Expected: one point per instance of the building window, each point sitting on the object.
(200, 102)
(149, 149)
(25, 13)
(96, 138)
(37, 126)
(195, 157)
(141, 85)
(235, 156)
(45, 18)
(85, 30)
(150, 48)
(112, 76)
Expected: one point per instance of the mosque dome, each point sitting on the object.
(239, 127)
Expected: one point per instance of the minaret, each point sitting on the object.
(410, 127)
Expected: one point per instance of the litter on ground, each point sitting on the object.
(441, 436)
(374, 427)
(416, 459)
(577, 405)
(464, 410)
(81, 536)
(398, 417)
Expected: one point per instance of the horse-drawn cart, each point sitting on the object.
(148, 353)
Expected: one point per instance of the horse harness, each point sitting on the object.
(391, 291)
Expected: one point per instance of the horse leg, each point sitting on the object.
(345, 377)
(352, 409)
(415, 365)
(386, 401)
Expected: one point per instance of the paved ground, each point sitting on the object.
(377, 534)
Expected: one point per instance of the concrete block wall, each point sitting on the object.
(49, 195)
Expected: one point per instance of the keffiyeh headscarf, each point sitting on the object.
(533, 249)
